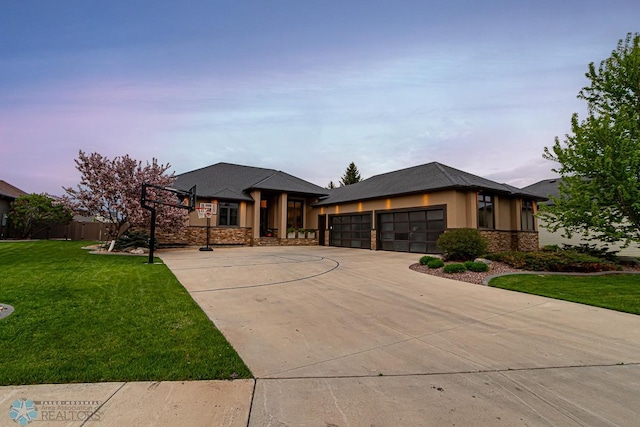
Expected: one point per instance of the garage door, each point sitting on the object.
(411, 231)
(350, 231)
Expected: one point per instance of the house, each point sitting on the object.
(404, 210)
(8, 193)
(255, 206)
(408, 209)
(551, 188)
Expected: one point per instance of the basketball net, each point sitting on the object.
(203, 212)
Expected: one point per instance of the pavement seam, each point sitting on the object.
(253, 395)
(249, 265)
(89, 418)
(273, 283)
(417, 338)
(429, 374)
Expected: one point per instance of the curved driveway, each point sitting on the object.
(347, 337)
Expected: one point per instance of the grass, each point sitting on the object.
(619, 292)
(91, 318)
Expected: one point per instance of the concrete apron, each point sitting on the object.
(339, 337)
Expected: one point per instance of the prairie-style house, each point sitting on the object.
(404, 210)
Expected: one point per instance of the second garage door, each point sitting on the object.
(411, 231)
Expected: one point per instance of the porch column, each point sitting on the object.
(282, 215)
(255, 225)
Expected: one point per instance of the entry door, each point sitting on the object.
(322, 226)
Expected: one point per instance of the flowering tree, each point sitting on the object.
(110, 190)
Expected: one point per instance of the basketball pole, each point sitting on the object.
(152, 238)
(207, 248)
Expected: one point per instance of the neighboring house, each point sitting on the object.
(8, 193)
(550, 188)
(405, 210)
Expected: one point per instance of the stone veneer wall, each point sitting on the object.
(274, 241)
(502, 241)
(197, 235)
(374, 240)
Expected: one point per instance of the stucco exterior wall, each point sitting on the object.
(457, 206)
(548, 238)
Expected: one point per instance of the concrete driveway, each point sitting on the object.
(347, 337)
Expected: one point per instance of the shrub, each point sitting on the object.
(462, 244)
(593, 250)
(562, 261)
(425, 259)
(132, 239)
(478, 267)
(435, 263)
(455, 268)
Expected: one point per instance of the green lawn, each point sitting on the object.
(617, 291)
(91, 318)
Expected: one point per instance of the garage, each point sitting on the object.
(411, 230)
(350, 231)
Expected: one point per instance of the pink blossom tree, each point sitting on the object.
(110, 189)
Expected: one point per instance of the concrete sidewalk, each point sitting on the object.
(195, 403)
(340, 337)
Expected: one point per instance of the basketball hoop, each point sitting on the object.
(205, 211)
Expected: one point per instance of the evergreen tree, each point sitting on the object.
(351, 175)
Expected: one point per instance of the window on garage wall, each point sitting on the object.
(485, 211)
(527, 216)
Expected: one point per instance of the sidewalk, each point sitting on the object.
(188, 403)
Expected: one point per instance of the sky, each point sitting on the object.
(301, 86)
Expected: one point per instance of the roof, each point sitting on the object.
(234, 182)
(419, 179)
(547, 188)
(8, 191)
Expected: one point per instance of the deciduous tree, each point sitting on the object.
(110, 189)
(600, 159)
(32, 213)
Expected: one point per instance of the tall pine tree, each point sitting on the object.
(351, 175)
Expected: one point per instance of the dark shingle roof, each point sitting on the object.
(234, 182)
(8, 191)
(418, 179)
(546, 188)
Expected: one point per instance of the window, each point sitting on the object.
(485, 211)
(227, 214)
(294, 214)
(527, 215)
